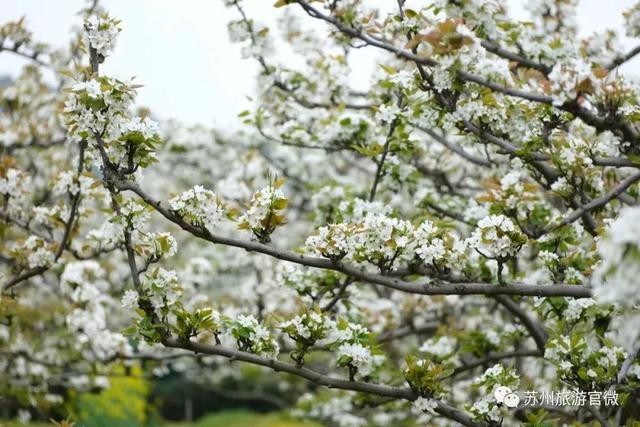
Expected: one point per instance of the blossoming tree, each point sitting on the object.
(462, 234)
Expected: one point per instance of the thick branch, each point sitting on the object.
(320, 379)
(428, 288)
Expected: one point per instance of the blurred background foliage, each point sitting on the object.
(135, 400)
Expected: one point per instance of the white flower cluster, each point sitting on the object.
(383, 240)
(14, 32)
(576, 307)
(486, 408)
(423, 404)
(574, 149)
(162, 289)
(353, 350)
(355, 210)
(133, 215)
(616, 277)
(253, 336)
(561, 186)
(496, 237)
(494, 378)
(333, 241)
(14, 187)
(514, 191)
(200, 207)
(611, 357)
(439, 247)
(578, 357)
(157, 245)
(565, 77)
(377, 238)
(264, 212)
(110, 233)
(308, 327)
(101, 33)
(388, 113)
(359, 357)
(145, 126)
(497, 374)
(403, 79)
(560, 348)
(99, 105)
(303, 280)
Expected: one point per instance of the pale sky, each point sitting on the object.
(181, 53)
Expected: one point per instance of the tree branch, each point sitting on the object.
(428, 288)
(535, 329)
(594, 204)
(443, 408)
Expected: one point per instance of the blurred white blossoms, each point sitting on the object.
(238, 31)
(440, 347)
(83, 281)
(616, 277)
(388, 113)
(34, 252)
(14, 187)
(632, 21)
(66, 182)
(199, 206)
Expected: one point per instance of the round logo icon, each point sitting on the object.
(500, 393)
(511, 400)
